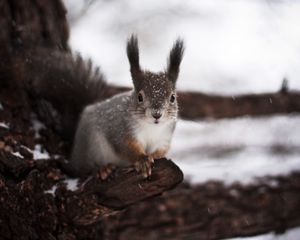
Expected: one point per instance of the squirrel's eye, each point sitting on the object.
(172, 98)
(140, 97)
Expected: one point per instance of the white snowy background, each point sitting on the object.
(232, 47)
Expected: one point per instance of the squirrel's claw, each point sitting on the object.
(106, 171)
(151, 159)
(144, 166)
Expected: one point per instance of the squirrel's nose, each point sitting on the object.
(156, 115)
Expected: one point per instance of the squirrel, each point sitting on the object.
(132, 127)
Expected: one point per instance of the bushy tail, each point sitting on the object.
(65, 81)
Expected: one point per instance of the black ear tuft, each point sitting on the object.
(133, 54)
(175, 59)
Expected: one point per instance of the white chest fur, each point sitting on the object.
(154, 136)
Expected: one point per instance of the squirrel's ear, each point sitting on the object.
(175, 59)
(133, 56)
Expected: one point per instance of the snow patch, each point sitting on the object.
(52, 190)
(4, 125)
(17, 154)
(72, 184)
(37, 125)
(40, 153)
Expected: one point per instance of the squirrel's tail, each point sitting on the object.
(64, 83)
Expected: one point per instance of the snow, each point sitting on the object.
(4, 125)
(52, 190)
(17, 154)
(72, 184)
(241, 149)
(40, 153)
(292, 234)
(37, 125)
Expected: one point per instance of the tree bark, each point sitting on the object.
(33, 23)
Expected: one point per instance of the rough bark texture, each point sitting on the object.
(29, 23)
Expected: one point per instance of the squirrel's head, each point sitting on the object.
(154, 93)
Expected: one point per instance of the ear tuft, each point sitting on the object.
(174, 60)
(133, 54)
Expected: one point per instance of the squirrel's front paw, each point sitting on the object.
(106, 171)
(143, 165)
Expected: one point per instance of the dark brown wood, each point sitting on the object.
(96, 198)
(27, 24)
(33, 23)
(130, 187)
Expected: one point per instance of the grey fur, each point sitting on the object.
(100, 130)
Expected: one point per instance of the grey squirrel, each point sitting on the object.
(132, 127)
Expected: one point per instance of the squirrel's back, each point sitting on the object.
(102, 126)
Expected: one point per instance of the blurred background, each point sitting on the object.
(232, 47)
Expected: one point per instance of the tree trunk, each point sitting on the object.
(33, 23)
